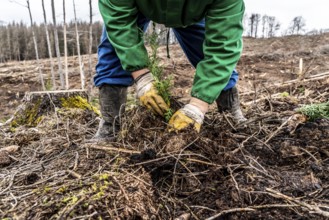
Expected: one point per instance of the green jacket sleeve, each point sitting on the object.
(222, 49)
(120, 20)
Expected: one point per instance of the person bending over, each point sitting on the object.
(210, 34)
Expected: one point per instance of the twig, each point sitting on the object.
(252, 208)
(202, 207)
(86, 216)
(74, 174)
(185, 216)
(312, 208)
(278, 129)
(230, 211)
(311, 155)
(76, 161)
(228, 121)
(10, 184)
(235, 182)
(121, 188)
(189, 172)
(64, 214)
(204, 162)
(139, 179)
(113, 149)
(263, 171)
(15, 199)
(7, 122)
(180, 153)
(243, 142)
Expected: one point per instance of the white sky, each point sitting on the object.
(315, 12)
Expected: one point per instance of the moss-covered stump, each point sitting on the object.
(37, 104)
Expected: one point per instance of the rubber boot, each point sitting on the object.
(112, 100)
(229, 101)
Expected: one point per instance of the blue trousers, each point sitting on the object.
(109, 69)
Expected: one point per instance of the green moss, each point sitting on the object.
(61, 190)
(70, 199)
(46, 189)
(284, 94)
(29, 117)
(103, 176)
(94, 187)
(78, 102)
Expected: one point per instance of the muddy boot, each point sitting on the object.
(112, 101)
(229, 101)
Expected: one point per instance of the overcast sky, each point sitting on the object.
(315, 12)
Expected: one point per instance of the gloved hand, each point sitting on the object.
(149, 96)
(186, 116)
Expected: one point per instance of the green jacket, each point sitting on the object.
(222, 46)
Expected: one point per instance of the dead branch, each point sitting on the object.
(230, 211)
(311, 208)
(272, 135)
(316, 77)
(67, 210)
(121, 188)
(108, 148)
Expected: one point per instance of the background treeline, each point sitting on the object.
(265, 26)
(16, 41)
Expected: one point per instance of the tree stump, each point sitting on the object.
(36, 104)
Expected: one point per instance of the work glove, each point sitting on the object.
(149, 96)
(185, 117)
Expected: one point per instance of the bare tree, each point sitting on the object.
(273, 26)
(90, 39)
(256, 23)
(36, 46)
(58, 53)
(3, 55)
(251, 24)
(49, 46)
(297, 25)
(9, 40)
(254, 20)
(264, 25)
(16, 42)
(65, 48)
(82, 75)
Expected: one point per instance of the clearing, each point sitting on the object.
(273, 167)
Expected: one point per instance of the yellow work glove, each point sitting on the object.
(149, 96)
(185, 117)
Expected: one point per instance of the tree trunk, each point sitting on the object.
(35, 46)
(82, 75)
(90, 42)
(58, 54)
(65, 49)
(9, 40)
(49, 47)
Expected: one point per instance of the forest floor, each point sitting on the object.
(274, 166)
